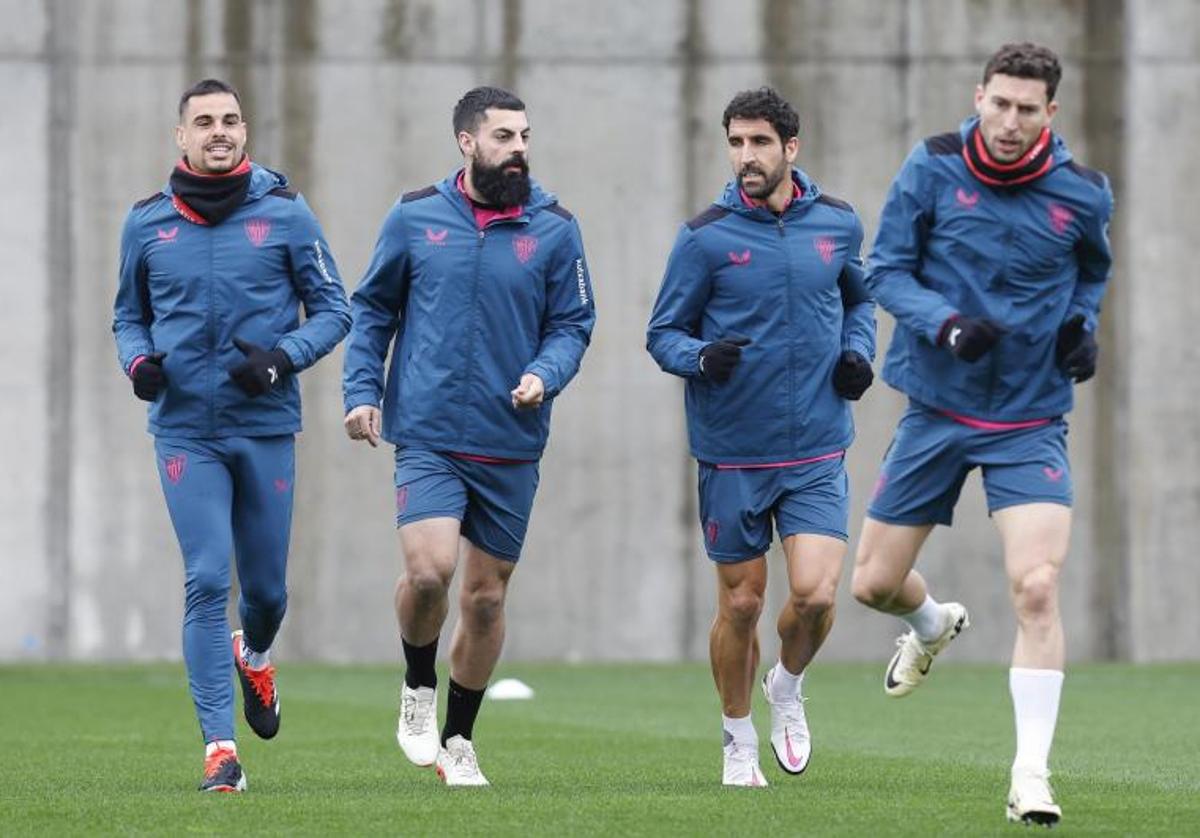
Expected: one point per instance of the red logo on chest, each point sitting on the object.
(1060, 218)
(257, 230)
(165, 235)
(825, 247)
(438, 238)
(742, 258)
(524, 247)
(966, 201)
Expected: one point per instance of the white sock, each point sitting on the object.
(253, 659)
(742, 730)
(928, 621)
(784, 685)
(1035, 694)
(220, 745)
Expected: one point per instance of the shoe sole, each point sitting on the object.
(778, 758)
(1033, 818)
(228, 789)
(895, 689)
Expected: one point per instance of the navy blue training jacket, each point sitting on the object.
(466, 313)
(189, 289)
(793, 284)
(1028, 257)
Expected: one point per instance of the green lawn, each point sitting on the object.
(612, 750)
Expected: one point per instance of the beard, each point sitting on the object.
(770, 181)
(500, 188)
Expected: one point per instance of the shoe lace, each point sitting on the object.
(415, 708)
(263, 682)
(913, 651)
(214, 761)
(465, 759)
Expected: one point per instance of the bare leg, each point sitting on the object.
(884, 578)
(430, 550)
(814, 564)
(733, 642)
(479, 634)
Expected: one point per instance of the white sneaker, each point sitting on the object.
(416, 731)
(1030, 798)
(457, 765)
(741, 765)
(910, 665)
(790, 739)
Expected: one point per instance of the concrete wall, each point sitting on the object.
(352, 99)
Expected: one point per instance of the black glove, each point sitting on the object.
(1076, 349)
(261, 370)
(718, 359)
(852, 375)
(148, 377)
(969, 338)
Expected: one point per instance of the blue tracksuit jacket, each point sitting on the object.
(1029, 258)
(792, 284)
(470, 312)
(189, 289)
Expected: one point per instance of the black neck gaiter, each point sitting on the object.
(210, 198)
(1031, 165)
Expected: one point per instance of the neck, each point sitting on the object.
(469, 186)
(782, 195)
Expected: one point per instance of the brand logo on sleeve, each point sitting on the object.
(257, 230)
(438, 238)
(321, 260)
(966, 200)
(524, 247)
(165, 235)
(742, 258)
(825, 247)
(581, 281)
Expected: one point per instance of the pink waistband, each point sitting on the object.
(805, 461)
(481, 458)
(987, 425)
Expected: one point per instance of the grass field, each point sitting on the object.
(612, 750)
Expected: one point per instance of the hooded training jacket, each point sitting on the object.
(189, 289)
(1028, 257)
(467, 312)
(792, 284)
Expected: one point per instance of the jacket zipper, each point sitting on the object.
(791, 412)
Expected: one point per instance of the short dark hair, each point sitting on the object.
(764, 103)
(469, 111)
(205, 87)
(1026, 61)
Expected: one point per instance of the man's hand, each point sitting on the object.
(529, 393)
(261, 371)
(718, 359)
(1076, 349)
(969, 338)
(852, 375)
(147, 375)
(364, 422)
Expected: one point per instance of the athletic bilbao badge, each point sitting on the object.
(525, 247)
(401, 500)
(824, 246)
(175, 464)
(257, 230)
(712, 530)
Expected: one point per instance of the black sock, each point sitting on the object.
(420, 660)
(462, 706)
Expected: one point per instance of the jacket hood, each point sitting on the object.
(731, 198)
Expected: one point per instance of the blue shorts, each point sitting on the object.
(929, 458)
(492, 500)
(737, 505)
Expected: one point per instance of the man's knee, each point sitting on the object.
(816, 600)
(483, 604)
(428, 574)
(1035, 592)
(872, 588)
(208, 584)
(742, 605)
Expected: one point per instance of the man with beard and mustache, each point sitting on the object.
(764, 312)
(214, 269)
(480, 286)
(993, 256)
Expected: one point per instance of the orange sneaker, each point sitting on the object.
(223, 772)
(260, 699)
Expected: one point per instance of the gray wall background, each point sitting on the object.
(352, 99)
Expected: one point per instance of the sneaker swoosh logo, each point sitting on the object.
(888, 680)
(792, 759)
(924, 670)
